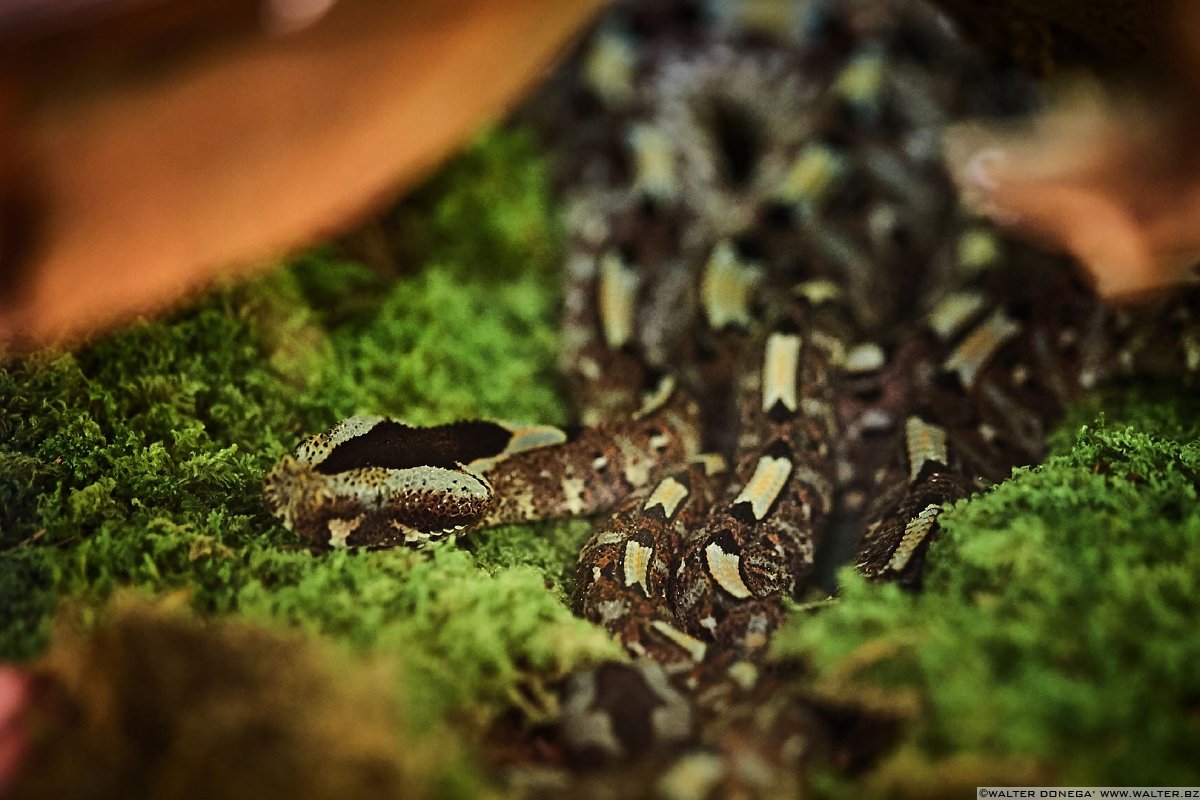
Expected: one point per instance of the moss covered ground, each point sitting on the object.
(1055, 637)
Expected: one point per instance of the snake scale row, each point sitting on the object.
(776, 318)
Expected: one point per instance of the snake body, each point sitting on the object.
(775, 314)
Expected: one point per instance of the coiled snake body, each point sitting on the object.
(775, 311)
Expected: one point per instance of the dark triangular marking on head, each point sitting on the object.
(629, 349)
(644, 537)
(394, 445)
(668, 496)
(649, 208)
(626, 252)
(738, 139)
(655, 511)
(779, 449)
(947, 380)
(930, 470)
(652, 380)
(749, 248)
(727, 542)
(779, 413)
(743, 512)
(776, 215)
(788, 327)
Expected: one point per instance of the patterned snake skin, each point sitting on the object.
(776, 315)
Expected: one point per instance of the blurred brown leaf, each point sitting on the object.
(148, 145)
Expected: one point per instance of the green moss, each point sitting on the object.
(472, 641)
(137, 461)
(1056, 630)
(439, 348)
(552, 548)
(495, 195)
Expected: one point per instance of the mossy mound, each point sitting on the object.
(1055, 638)
(151, 702)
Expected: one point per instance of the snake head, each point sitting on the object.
(375, 506)
(375, 482)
